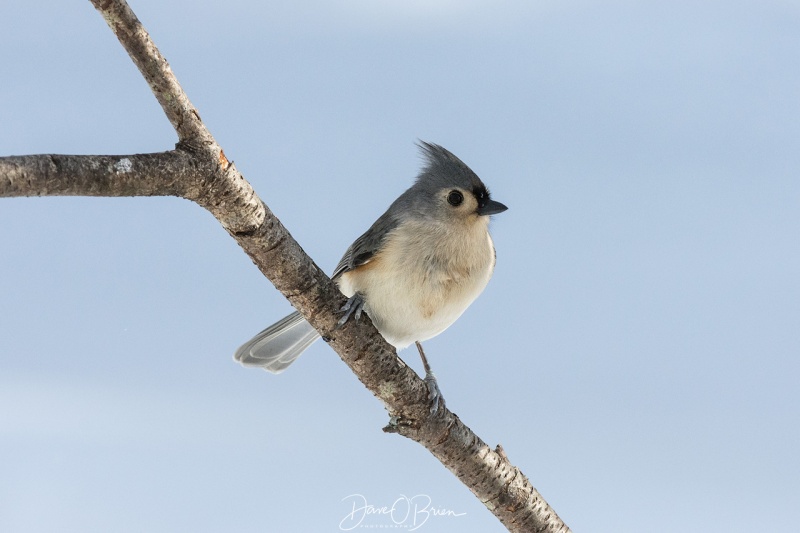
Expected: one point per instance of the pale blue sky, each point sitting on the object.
(636, 352)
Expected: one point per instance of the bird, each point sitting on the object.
(413, 272)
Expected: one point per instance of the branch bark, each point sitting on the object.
(198, 170)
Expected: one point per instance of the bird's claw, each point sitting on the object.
(434, 393)
(354, 306)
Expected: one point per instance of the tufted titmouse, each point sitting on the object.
(414, 272)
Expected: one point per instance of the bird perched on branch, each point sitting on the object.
(414, 272)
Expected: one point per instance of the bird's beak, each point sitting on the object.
(491, 208)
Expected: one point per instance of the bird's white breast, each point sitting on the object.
(424, 277)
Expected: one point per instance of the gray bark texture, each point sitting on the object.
(198, 170)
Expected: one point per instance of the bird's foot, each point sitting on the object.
(434, 393)
(354, 306)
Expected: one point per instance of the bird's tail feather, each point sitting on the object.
(279, 345)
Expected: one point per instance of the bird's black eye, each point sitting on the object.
(455, 198)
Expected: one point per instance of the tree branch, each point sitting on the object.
(198, 170)
(161, 174)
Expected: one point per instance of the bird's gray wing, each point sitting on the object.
(366, 246)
